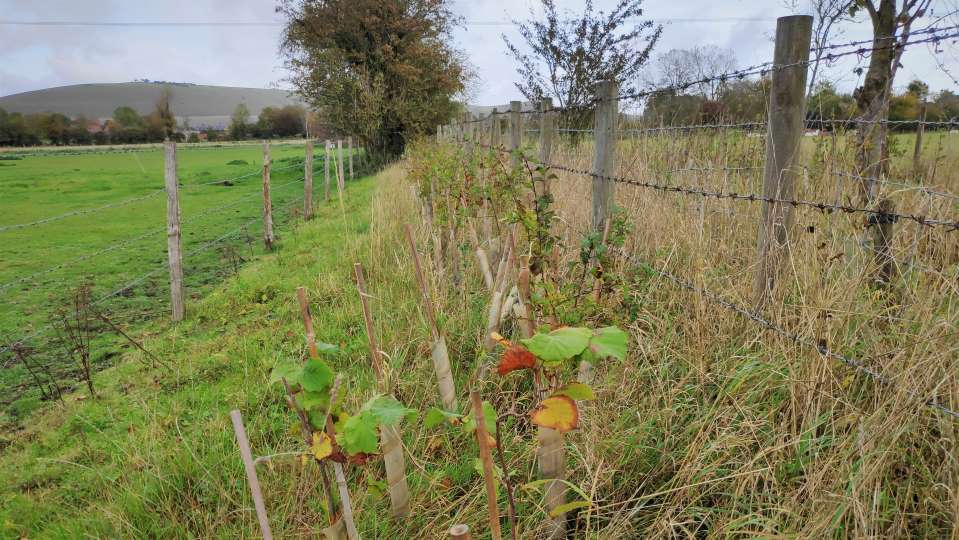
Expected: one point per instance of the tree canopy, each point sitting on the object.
(380, 70)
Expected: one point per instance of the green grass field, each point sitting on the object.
(121, 249)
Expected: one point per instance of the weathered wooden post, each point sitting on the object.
(247, 455)
(326, 171)
(787, 104)
(174, 251)
(460, 532)
(604, 158)
(341, 172)
(545, 136)
(882, 231)
(268, 237)
(349, 148)
(917, 151)
(308, 181)
(390, 440)
(440, 354)
(515, 132)
(486, 458)
(494, 129)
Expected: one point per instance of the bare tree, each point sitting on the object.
(891, 25)
(679, 67)
(827, 15)
(570, 55)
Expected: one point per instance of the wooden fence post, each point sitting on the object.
(267, 204)
(326, 171)
(882, 231)
(515, 131)
(308, 181)
(341, 173)
(349, 148)
(545, 136)
(482, 440)
(390, 439)
(604, 159)
(174, 251)
(247, 455)
(787, 104)
(917, 151)
(494, 128)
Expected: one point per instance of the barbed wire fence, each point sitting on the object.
(139, 297)
(775, 197)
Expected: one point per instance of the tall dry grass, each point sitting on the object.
(716, 427)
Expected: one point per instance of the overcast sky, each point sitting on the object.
(35, 57)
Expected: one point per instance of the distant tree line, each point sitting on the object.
(746, 101)
(272, 122)
(127, 126)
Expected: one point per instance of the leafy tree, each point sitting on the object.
(381, 70)
(570, 55)
(239, 122)
(127, 117)
(163, 114)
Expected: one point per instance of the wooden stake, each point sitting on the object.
(307, 321)
(515, 131)
(440, 354)
(917, 151)
(604, 159)
(339, 164)
(251, 477)
(482, 439)
(308, 182)
(494, 128)
(882, 231)
(174, 249)
(551, 456)
(546, 137)
(390, 441)
(787, 105)
(349, 146)
(268, 237)
(460, 532)
(305, 422)
(326, 171)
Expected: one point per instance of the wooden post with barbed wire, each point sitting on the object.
(787, 109)
(268, 237)
(174, 248)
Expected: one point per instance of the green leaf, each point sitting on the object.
(386, 409)
(359, 434)
(288, 370)
(559, 345)
(317, 376)
(609, 342)
(577, 391)
(563, 508)
(435, 417)
(313, 400)
(489, 418)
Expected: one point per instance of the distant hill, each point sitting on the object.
(204, 106)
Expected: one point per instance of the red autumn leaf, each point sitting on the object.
(515, 357)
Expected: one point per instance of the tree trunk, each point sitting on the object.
(872, 98)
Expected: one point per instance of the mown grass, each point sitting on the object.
(62, 254)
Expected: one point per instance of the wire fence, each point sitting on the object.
(142, 294)
(649, 164)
